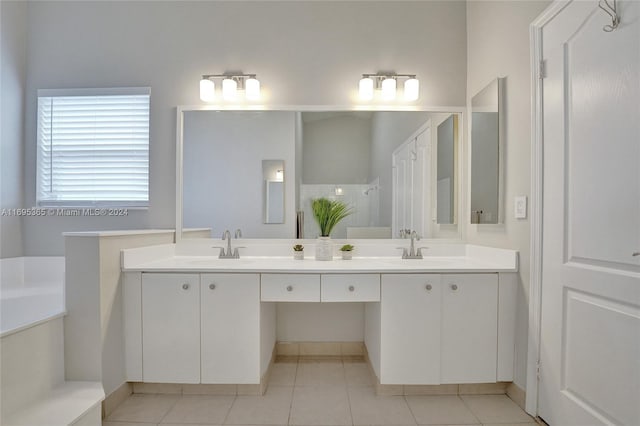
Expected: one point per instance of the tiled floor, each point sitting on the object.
(321, 394)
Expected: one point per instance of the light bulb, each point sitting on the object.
(279, 175)
(366, 89)
(388, 89)
(411, 89)
(207, 90)
(252, 89)
(229, 89)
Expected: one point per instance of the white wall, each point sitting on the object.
(305, 53)
(13, 38)
(223, 181)
(498, 46)
(337, 149)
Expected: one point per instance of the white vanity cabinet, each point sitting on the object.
(230, 328)
(171, 328)
(410, 329)
(438, 328)
(469, 328)
(193, 328)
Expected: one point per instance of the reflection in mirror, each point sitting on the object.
(223, 182)
(446, 170)
(486, 150)
(383, 164)
(273, 194)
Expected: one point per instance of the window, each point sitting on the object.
(93, 147)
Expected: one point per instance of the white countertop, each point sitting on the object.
(276, 257)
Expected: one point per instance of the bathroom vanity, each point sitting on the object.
(193, 318)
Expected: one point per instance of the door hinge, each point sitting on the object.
(538, 370)
(541, 69)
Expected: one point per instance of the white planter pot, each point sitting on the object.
(298, 255)
(324, 248)
(347, 255)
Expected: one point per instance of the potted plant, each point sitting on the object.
(347, 251)
(327, 213)
(298, 252)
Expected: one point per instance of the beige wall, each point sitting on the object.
(498, 46)
(13, 37)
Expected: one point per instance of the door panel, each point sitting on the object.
(590, 331)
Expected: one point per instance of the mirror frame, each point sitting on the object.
(182, 109)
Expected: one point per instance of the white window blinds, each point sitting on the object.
(93, 147)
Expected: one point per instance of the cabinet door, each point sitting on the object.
(171, 328)
(410, 339)
(230, 309)
(469, 328)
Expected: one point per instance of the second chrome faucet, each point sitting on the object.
(229, 253)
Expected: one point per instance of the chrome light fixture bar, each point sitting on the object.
(386, 83)
(231, 83)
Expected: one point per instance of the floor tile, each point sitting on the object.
(320, 374)
(272, 408)
(496, 409)
(358, 374)
(320, 405)
(436, 410)
(106, 423)
(369, 409)
(511, 424)
(144, 408)
(199, 409)
(283, 374)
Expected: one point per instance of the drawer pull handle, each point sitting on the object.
(212, 286)
(454, 287)
(289, 288)
(429, 287)
(351, 288)
(185, 286)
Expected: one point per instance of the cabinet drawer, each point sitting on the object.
(290, 288)
(350, 288)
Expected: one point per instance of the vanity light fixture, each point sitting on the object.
(231, 84)
(386, 83)
(279, 175)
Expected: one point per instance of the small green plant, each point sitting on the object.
(298, 247)
(328, 213)
(346, 247)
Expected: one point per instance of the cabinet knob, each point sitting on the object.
(185, 286)
(212, 286)
(454, 287)
(351, 288)
(634, 254)
(429, 287)
(289, 288)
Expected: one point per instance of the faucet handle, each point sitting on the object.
(236, 252)
(221, 250)
(405, 253)
(419, 251)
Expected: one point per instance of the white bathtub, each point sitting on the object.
(31, 292)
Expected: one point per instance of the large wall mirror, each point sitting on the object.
(259, 171)
(487, 154)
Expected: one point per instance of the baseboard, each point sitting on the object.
(115, 398)
(319, 350)
(517, 394)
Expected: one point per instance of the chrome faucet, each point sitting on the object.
(229, 253)
(412, 253)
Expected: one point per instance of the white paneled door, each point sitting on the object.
(590, 330)
(410, 186)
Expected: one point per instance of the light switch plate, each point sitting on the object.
(520, 207)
